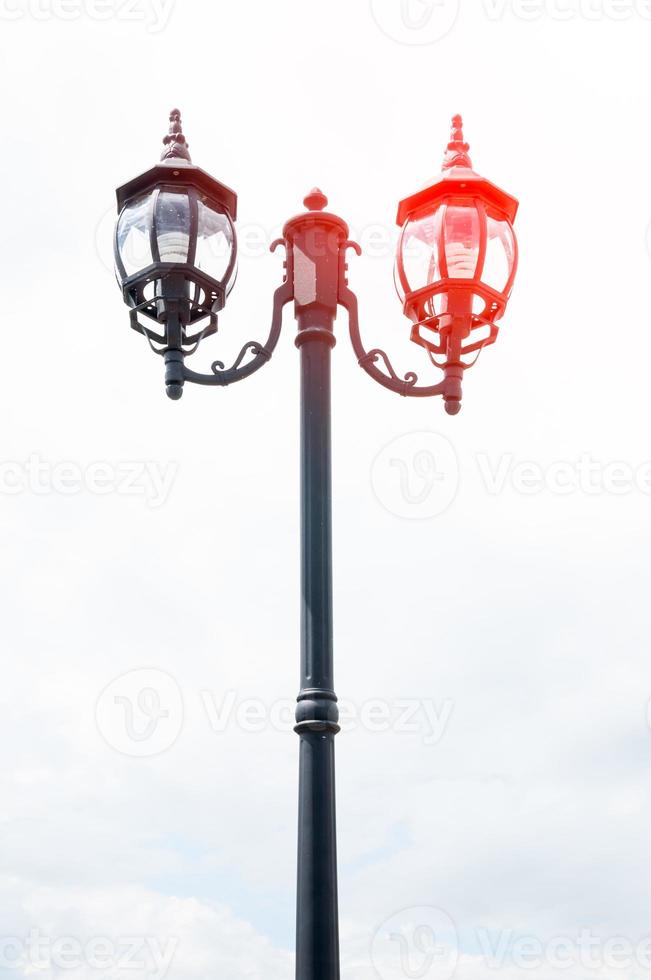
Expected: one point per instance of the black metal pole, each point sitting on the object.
(317, 930)
(314, 242)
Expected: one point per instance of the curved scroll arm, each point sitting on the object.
(368, 360)
(262, 352)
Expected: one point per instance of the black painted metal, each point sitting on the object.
(317, 936)
(240, 369)
(313, 241)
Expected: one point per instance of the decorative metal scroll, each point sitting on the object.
(368, 360)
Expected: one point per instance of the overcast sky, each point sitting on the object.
(491, 570)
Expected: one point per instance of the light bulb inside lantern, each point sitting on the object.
(173, 246)
(461, 259)
(461, 237)
(173, 227)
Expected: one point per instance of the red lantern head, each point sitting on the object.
(457, 258)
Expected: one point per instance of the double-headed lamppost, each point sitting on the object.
(175, 253)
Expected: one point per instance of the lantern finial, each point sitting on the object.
(315, 200)
(456, 154)
(176, 147)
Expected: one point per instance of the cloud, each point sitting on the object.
(142, 934)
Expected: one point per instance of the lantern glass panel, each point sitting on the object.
(173, 227)
(133, 240)
(420, 252)
(500, 255)
(461, 234)
(215, 242)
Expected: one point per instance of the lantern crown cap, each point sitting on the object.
(456, 154)
(457, 179)
(315, 200)
(175, 143)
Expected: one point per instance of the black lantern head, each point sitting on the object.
(175, 247)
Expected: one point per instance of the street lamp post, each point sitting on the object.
(175, 249)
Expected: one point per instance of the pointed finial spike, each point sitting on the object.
(456, 154)
(176, 147)
(315, 200)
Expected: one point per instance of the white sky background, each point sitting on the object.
(521, 618)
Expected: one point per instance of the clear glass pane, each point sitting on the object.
(133, 235)
(461, 234)
(500, 255)
(173, 227)
(215, 242)
(420, 252)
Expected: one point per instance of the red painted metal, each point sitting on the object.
(456, 262)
